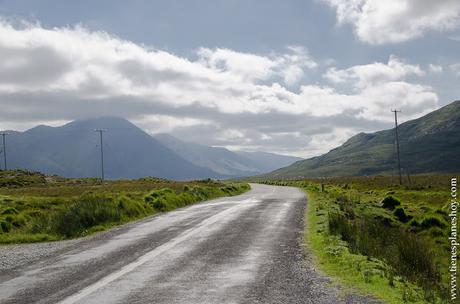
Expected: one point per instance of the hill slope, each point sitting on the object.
(223, 161)
(72, 151)
(267, 162)
(428, 144)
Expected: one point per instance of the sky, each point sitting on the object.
(291, 77)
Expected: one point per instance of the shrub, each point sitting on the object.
(436, 232)
(6, 226)
(429, 222)
(40, 223)
(10, 210)
(85, 213)
(161, 199)
(408, 254)
(340, 225)
(401, 215)
(160, 205)
(131, 208)
(390, 202)
(414, 223)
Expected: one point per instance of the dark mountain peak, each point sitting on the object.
(105, 122)
(40, 129)
(72, 150)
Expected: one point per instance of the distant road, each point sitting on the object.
(242, 249)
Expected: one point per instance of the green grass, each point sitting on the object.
(385, 240)
(35, 208)
(369, 275)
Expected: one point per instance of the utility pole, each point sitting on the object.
(4, 134)
(397, 144)
(100, 131)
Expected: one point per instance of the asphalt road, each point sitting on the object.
(242, 249)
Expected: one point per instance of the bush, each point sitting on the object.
(436, 232)
(40, 223)
(408, 254)
(167, 199)
(5, 226)
(85, 213)
(401, 215)
(10, 210)
(429, 222)
(160, 205)
(68, 211)
(91, 211)
(131, 208)
(414, 223)
(13, 221)
(390, 202)
(161, 200)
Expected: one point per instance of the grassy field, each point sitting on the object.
(384, 239)
(35, 207)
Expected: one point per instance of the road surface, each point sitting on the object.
(243, 249)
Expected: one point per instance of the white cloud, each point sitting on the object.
(455, 68)
(435, 68)
(392, 21)
(156, 124)
(289, 66)
(247, 67)
(378, 87)
(322, 142)
(372, 102)
(370, 74)
(292, 65)
(225, 97)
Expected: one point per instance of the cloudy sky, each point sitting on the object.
(293, 77)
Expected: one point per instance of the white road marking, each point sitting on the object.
(156, 252)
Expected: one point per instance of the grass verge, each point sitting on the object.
(385, 240)
(36, 208)
(370, 276)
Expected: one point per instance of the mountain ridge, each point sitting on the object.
(72, 150)
(428, 144)
(224, 161)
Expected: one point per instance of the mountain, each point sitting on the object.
(427, 144)
(224, 161)
(266, 162)
(72, 150)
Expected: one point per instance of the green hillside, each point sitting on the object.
(428, 144)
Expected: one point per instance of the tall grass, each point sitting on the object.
(409, 255)
(404, 227)
(73, 208)
(91, 210)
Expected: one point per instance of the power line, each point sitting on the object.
(100, 131)
(4, 134)
(397, 144)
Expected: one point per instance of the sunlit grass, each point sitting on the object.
(406, 259)
(35, 208)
